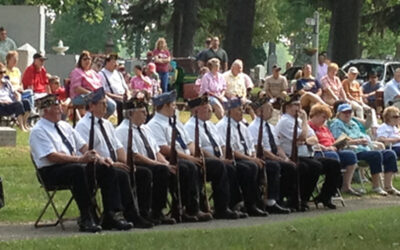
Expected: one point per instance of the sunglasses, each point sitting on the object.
(86, 59)
(3, 72)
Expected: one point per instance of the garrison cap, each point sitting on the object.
(232, 103)
(95, 95)
(198, 101)
(46, 101)
(164, 98)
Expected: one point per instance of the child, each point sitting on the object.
(153, 75)
(141, 83)
(54, 82)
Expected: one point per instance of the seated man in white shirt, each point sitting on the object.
(147, 154)
(114, 83)
(247, 165)
(161, 127)
(108, 146)
(61, 156)
(274, 155)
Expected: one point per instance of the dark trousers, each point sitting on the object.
(288, 183)
(160, 177)
(143, 178)
(333, 177)
(273, 169)
(217, 175)
(120, 116)
(17, 108)
(75, 174)
(309, 171)
(246, 173)
(189, 185)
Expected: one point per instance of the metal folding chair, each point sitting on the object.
(51, 191)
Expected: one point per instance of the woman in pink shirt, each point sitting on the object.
(84, 80)
(213, 83)
(140, 82)
(162, 58)
(332, 89)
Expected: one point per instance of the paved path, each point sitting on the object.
(25, 231)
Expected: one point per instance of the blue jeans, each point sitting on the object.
(345, 157)
(375, 159)
(111, 105)
(27, 94)
(164, 80)
(397, 150)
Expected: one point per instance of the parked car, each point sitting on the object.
(385, 69)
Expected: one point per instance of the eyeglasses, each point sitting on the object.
(396, 116)
(86, 59)
(3, 72)
(347, 112)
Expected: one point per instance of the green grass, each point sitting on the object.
(367, 229)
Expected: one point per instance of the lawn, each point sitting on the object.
(366, 229)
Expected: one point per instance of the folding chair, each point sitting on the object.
(51, 191)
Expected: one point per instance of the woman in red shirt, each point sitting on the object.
(162, 57)
(319, 114)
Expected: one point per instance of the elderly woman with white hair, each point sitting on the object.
(213, 83)
(235, 81)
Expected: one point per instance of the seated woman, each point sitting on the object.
(213, 83)
(84, 80)
(388, 132)
(355, 94)
(14, 75)
(348, 159)
(361, 145)
(309, 88)
(332, 89)
(141, 83)
(202, 72)
(10, 103)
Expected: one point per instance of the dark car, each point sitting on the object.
(384, 68)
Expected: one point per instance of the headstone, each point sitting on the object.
(25, 56)
(8, 137)
(259, 73)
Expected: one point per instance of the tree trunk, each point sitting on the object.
(239, 33)
(185, 25)
(138, 44)
(345, 23)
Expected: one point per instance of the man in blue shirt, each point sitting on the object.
(392, 90)
(370, 88)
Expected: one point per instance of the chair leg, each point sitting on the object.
(60, 220)
(50, 200)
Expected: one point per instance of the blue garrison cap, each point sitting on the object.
(164, 98)
(95, 95)
(232, 103)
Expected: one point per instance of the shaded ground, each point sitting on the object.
(25, 231)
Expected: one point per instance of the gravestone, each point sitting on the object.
(25, 56)
(8, 137)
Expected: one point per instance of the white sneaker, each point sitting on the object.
(379, 191)
(392, 191)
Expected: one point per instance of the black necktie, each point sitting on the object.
(179, 137)
(150, 152)
(214, 144)
(64, 139)
(109, 145)
(242, 141)
(271, 139)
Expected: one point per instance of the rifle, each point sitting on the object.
(295, 158)
(260, 155)
(173, 160)
(132, 167)
(198, 153)
(91, 171)
(228, 147)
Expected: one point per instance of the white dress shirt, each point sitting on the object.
(236, 145)
(284, 129)
(137, 143)
(99, 143)
(116, 81)
(254, 128)
(162, 131)
(205, 142)
(44, 140)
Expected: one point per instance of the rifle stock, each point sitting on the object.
(132, 167)
(228, 147)
(91, 169)
(199, 154)
(295, 158)
(260, 155)
(173, 160)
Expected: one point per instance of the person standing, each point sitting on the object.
(162, 58)
(6, 44)
(114, 83)
(215, 51)
(322, 67)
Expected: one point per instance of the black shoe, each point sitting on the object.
(326, 202)
(202, 216)
(304, 206)
(189, 218)
(164, 219)
(87, 225)
(276, 209)
(115, 221)
(140, 222)
(255, 211)
(227, 214)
